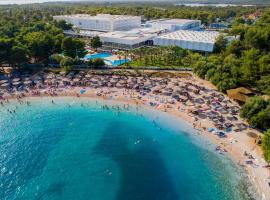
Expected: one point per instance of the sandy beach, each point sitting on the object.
(199, 105)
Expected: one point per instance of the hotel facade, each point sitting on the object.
(127, 32)
(102, 22)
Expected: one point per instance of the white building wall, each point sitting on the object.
(102, 22)
(191, 45)
(175, 24)
(193, 40)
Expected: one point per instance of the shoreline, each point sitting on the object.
(234, 145)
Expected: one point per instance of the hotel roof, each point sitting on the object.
(100, 17)
(201, 36)
(173, 21)
(131, 37)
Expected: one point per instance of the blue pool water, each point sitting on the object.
(75, 149)
(105, 55)
(117, 62)
(97, 55)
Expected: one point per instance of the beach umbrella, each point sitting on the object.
(166, 93)
(50, 76)
(114, 81)
(38, 78)
(16, 79)
(169, 90)
(122, 82)
(27, 82)
(136, 86)
(232, 118)
(199, 100)
(76, 80)
(48, 81)
(66, 80)
(4, 85)
(241, 126)
(16, 83)
(118, 85)
(3, 81)
(134, 80)
(109, 84)
(37, 81)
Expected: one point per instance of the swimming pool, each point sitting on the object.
(116, 62)
(106, 58)
(97, 55)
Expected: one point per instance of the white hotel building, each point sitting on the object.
(102, 22)
(127, 32)
(193, 40)
(172, 25)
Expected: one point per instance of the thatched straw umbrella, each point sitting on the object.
(16, 84)
(4, 85)
(88, 76)
(27, 83)
(114, 81)
(16, 79)
(136, 87)
(134, 80)
(3, 81)
(122, 82)
(76, 81)
(118, 85)
(170, 90)
(66, 81)
(48, 81)
(94, 80)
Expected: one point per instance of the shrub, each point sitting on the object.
(98, 62)
(257, 111)
(67, 61)
(56, 58)
(266, 145)
(90, 63)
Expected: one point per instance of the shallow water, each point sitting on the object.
(74, 149)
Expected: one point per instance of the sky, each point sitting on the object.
(26, 1)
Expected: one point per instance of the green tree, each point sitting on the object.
(5, 50)
(253, 106)
(73, 47)
(63, 25)
(264, 84)
(258, 37)
(67, 64)
(261, 119)
(250, 67)
(95, 42)
(235, 47)
(40, 45)
(220, 44)
(19, 56)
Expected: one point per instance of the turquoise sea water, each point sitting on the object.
(75, 149)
